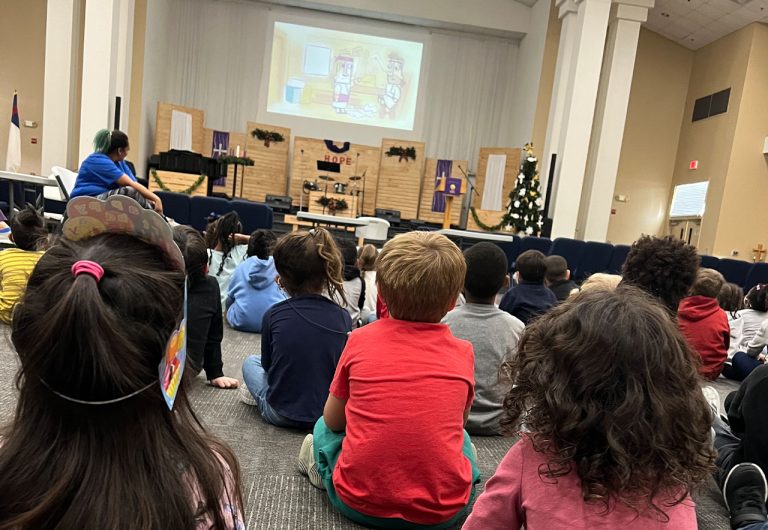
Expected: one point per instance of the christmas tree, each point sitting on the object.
(524, 208)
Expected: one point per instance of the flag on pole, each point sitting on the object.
(13, 155)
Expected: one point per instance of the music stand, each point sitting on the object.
(328, 167)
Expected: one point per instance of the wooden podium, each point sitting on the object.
(450, 187)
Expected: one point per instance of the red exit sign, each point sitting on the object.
(694, 164)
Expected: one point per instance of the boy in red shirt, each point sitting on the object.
(390, 448)
(704, 324)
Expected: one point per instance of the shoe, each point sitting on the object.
(245, 396)
(306, 463)
(713, 398)
(745, 492)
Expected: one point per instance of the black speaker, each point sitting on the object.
(393, 216)
(118, 101)
(279, 203)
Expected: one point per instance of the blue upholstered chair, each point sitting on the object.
(175, 205)
(758, 273)
(597, 258)
(618, 258)
(709, 262)
(542, 244)
(511, 249)
(253, 215)
(570, 249)
(202, 207)
(735, 271)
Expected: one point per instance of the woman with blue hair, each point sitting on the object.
(105, 170)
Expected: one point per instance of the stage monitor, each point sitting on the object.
(345, 77)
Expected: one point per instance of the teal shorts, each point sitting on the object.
(327, 448)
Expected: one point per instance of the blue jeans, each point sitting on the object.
(256, 379)
(741, 366)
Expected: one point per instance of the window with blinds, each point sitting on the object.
(689, 200)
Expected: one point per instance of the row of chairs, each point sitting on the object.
(588, 257)
(195, 210)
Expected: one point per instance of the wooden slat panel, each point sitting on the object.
(307, 151)
(177, 182)
(315, 207)
(400, 182)
(427, 190)
(269, 174)
(163, 127)
(510, 180)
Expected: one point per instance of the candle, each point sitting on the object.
(237, 151)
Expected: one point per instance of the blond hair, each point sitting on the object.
(420, 275)
(601, 280)
(708, 283)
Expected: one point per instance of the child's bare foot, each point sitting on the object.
(224, 382)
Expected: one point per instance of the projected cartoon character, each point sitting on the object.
(342, 82)
(395, 81)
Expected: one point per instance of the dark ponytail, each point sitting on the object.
(107, 142)
(223, 236)
(66, 464)
(757, 297)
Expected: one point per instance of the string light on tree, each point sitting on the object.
(524, 209)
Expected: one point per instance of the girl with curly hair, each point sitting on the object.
(616, 427)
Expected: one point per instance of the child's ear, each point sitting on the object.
(205, 269)
(568, 274)
(505, 285)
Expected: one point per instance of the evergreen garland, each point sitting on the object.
(187, 191)
(239, 160)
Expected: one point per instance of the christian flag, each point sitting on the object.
(13, 156)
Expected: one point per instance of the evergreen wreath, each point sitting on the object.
(404, 153)
(187, 191)
(238, 160)
(267, 136)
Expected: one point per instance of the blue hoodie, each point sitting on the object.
(252, 290)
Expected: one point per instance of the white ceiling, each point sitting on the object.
(696, 23)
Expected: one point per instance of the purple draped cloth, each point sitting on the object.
(438, 198)
(219, 147)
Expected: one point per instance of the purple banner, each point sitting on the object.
(219, 147)
(438, 198)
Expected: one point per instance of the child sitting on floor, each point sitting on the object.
(704, 324)
(529, 298)
(558, 277)
(744, 353)
(253, 289)
(90, 333)
(205, 326)
(227, 248)
(617, 430)
(354, 286)
(16, 264)
(390, 448)
(493, 333)
(366, 262)
(301, 337)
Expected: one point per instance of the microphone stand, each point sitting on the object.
(471, 186)
(301, 195)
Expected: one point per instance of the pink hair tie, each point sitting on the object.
(88, 267)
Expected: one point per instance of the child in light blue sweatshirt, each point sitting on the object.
(252, 289)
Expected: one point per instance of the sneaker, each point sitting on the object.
(245, 396)
(713, 398)
(306, 463)
(745, 492)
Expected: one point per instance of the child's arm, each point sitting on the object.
(758, 342)
(334, 414)
(500, 505)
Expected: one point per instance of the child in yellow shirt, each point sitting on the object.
(16, 264)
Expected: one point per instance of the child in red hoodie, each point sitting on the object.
(705, 324)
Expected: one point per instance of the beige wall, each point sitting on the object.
(717, 66)
(654, 115)
(546, 81)
(742, 221)
(22, 68)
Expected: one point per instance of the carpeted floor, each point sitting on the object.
(276, 495)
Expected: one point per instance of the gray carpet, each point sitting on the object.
(276, 495)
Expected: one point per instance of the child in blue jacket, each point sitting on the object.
(252, 289)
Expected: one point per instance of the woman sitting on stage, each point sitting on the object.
(106, 170)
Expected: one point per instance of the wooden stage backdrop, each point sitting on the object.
(428, 190)
(511, 170)
(269, 174)
(163, 128)
(399, 184)
(306, 153)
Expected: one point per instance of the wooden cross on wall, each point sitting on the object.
(758, 252)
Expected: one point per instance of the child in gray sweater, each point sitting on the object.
(493, 333)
